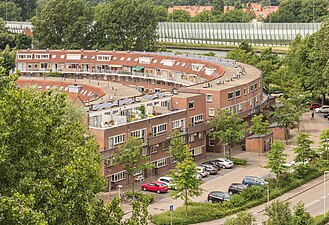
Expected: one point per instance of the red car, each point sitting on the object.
(314, 105)
(155, 186)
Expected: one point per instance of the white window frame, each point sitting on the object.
(178, 123)
(42, 56)
(139, 134)
(197, 118)
(104, 57)
(210, 142)
(231, 92)
(161, 163)
(211, 112)
(191, 137)
(239, 90)
(158, 129)
(209, 99)
(119, 176)
(189, 105)
(116, 140)
(198, 150)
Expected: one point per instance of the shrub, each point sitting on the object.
(139, 195)
(238, 161)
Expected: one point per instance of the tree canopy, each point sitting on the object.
(126, 25)
(64, 24)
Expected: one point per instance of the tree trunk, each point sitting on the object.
(286, 135)
(260, 149)
(133, 185)
(186, 203)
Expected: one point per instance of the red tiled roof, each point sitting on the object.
(51, 83)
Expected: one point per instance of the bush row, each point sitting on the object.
(238, 161)
(250, 197)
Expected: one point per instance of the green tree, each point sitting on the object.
(244, 53)
(279, 213)
(10, 11)
(235, 16)
(228, 128)
(301, 216)
(284, 115)
(177, 148)
(23, 41)
(126, 25)
(204, 16)
(8, 57)
(64, 24)
(185, 180)
(243, 218)
(324, 149)
(259, 126)
(276, 158)
(140, 214)
(218, 5)
(27, 6)
(45, 153)
(130, 155)
(179, 16)
(5, 37)
(113, 209)
(303, 150)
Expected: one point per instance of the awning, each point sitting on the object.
(117, 66)
(138, 68)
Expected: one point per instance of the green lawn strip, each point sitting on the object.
(320, 220)
(251, 197)
(216, 46)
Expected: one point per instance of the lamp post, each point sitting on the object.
(120, 186)
(324, 193)
(6, 10)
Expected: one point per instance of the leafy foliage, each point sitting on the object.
(276, 158)
(259, 125)
(185, 180)
(10, 11)
(64, 24)
(301, 216)
(228, 128)
(126, 25)
(130, 156)
(242, 218)
(279, 213)
(303, 150)
(177, 148)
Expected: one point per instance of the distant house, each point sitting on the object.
(192, 10)
(228, 8)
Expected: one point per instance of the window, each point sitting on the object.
(209, 97)
(62, 56)
(155, 61)
(245, 91)
(122, 58)
(197, 150)
(237, 93)
(191, 137)
(118, 176)
(103, 58)
(25, 56)
(140, 134)
(211, 142)
(252, 88)
(115, 140)
(191, 105)
(255, 87)
(196, 119)
(178, 123)
(230, 95)
(41, 56)
(239, 107)
(128, 59)
(161, 163)
(211, 112)
(197, 67)
(159, 129)
(145, 151)
(154, 149)
(108, 162)
(165, 145)
(201, 134)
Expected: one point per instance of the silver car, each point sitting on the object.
(225, 163)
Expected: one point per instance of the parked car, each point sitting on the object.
(168, 181)
(314, 105)
(236, 188)
(210, 168)
(253, 180)
(323, 109)
(156, 186)
(214, 163)
(202, 171)
(198, 176)
(276, 94)
(326, 115)
(225, 163)
(218, 196)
